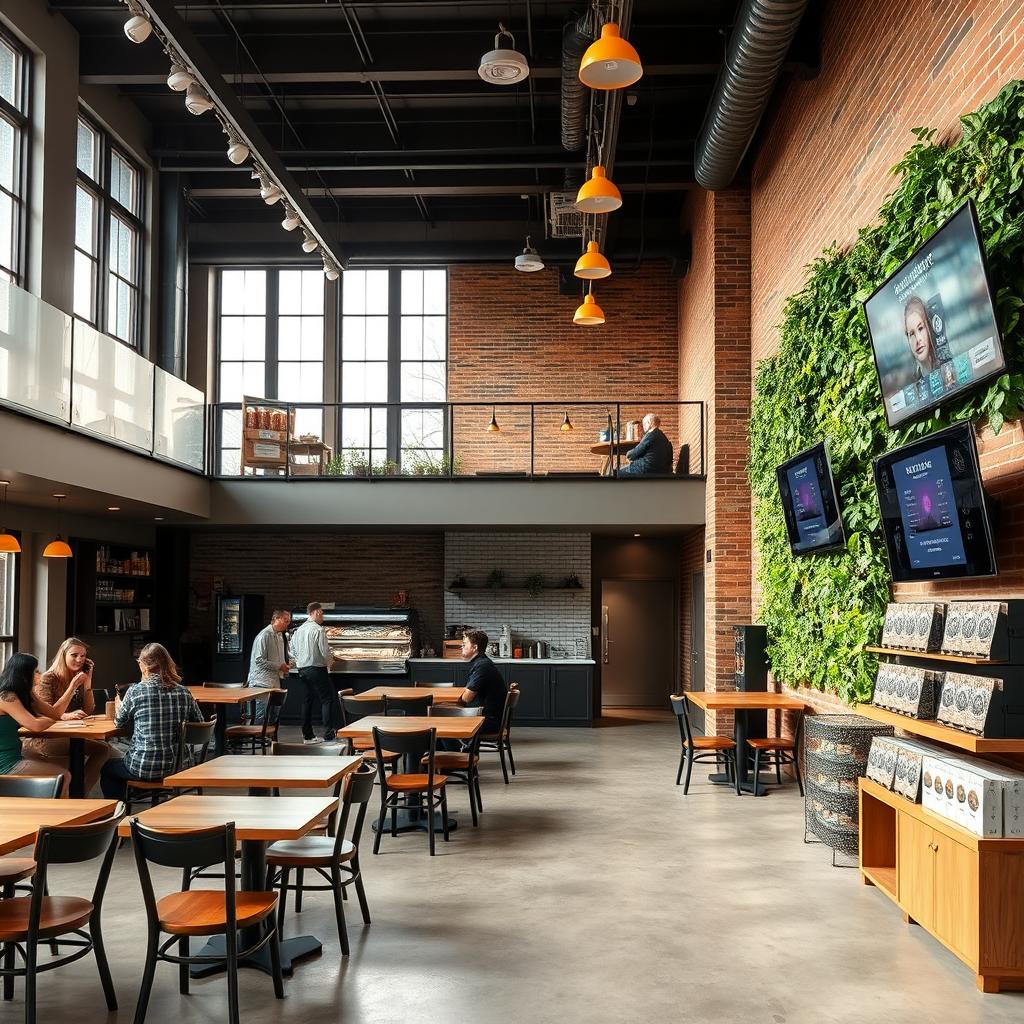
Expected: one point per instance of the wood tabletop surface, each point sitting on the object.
(20, 817)
(447, 728)
(441, 694)
(228, 694)
(96, 727)
(739, 701)
(289, 771)
(256, 817)
(611, 447)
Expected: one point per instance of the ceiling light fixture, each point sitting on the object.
(593, 265)
(158, 519)
(598, 194)
(503, 66)
(590, 314)
(8, 542)
(529, 261)
(197, 100)
(238, 151)
(138, 28)
(113, 508)
(179, 78)
(492, 427)
(566, 426)
(291, 219)
(331, 272)
(309, 243)
(270, 193)
(58, 547)
(610, 62)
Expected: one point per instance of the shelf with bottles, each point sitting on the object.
(122, 562)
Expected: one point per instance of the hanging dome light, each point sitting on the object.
(309, 243)
(503, 66)
(8, 542)
(179, 78)
(598, 194)
(196, 100)
(331, 272)
(492, 427)
(138, 28)
(238, 151)
(58, 547)
(590, 314)
(610, 62)
(291, 219)
(529, 260)
(566, 426)
(592, 265)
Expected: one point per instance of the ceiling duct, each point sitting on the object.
(576, 37)
(760, 40)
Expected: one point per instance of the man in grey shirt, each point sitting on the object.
(313, 658)
(268, 663)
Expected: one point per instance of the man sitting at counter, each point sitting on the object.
(485, 686)
(654, 452)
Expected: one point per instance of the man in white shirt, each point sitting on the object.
(313, 658)
(268, 664)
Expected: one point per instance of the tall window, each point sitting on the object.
(14, 141)
(271, 346)
(394, 349)
(8, 604)
(108, 236)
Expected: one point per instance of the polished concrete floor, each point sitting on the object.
(593, 892)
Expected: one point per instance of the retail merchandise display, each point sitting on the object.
(984, 798)
(907, 690)
(914, 627)
(976, 629)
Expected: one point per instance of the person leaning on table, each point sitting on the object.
(653, 454)
(268, 664)
(155, 709)
(312, 656)
(71, 665)
(19, 708)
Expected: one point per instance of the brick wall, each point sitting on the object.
(290, 569)
(691, 561)
(511, 337)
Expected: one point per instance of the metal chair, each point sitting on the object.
(700, 748)
(258, 734)
(463, 765)
(408, 705)
(501, 741)
(193, 746)
(334, 857)
(27, 920)
(352, 709)
(201, 912)
(777, 752)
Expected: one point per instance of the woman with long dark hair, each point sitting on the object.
(18, 708)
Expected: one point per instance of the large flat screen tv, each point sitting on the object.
(932, 324)
(934, 516)
(810, 503)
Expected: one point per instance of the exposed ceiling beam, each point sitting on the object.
(430, 190)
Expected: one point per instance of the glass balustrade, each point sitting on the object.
(178, 421)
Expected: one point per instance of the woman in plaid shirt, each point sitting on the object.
(155, 709)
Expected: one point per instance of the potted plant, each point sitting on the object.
(496, 578)
(534, 584)
(337, 465)
(358, 465)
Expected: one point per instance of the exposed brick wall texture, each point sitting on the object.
(691, 560)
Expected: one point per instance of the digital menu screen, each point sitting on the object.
(931, 524)
(809, 502)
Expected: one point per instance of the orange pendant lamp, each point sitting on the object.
(590, 314)
(566, 426)
(593, 265)
(610, 62)
(8, 542)
(598, 194)
(58, 547)
(492, 427)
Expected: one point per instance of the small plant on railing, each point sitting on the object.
(496, 578)
(357, 464)
(534, 584)
(450, 466)
(386, 468)
(337, 465)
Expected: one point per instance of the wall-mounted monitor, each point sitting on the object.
(810, 503)
(934, 516)
(932, 323)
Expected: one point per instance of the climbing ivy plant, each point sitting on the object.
(821, 611)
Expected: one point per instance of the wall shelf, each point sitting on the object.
(932, 730)
(122, 576)
(957, 659)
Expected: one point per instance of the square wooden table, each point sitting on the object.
(261, 774)
(21, 817)
(230, 696)
(259, 820)
(740, 702)
(76, 732)
(441, 694)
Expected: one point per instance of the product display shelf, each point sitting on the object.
(932, 730)
(965, 890)
(957, 659)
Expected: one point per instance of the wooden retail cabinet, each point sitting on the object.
(264, 447)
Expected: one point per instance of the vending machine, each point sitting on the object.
(239, 619)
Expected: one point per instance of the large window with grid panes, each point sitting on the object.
(9, 565)
(109, 232)
(15, 136)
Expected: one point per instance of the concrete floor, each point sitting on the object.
(594, 891)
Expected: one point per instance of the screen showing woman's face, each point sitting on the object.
(917, 335)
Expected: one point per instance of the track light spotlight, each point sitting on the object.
(291, 219)
(309, 243)
(179, 78)
(238, 151)
(138, 28)
(196, 100)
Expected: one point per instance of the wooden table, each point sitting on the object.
(262, 774)
(441, 694)
(96, 727)
(259, 820)
(21, 817)
(227, 695)
(317, 451)
(740, 702)
(609, 449)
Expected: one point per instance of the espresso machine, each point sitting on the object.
(505, 642)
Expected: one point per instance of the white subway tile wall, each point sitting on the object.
(559, 617)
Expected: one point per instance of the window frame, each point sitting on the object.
(12, 639)
(107, 206)
(21, 118)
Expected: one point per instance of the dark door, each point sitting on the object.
(639, 641)
(697, 646)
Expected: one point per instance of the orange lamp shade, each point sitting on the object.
(610, 62)
(9, 543)
(599, 194)
(589, 314)
(58, 548)
(593, 265)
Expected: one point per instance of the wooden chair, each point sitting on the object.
(701, 748)
(417, 706)
(25, 921)
(336, 749)
(501, 741)
(352, 709)
(463, 765)
(193, 746)
(334, 857)
(427, 789)
(258, 735)
(777, 752)
(200, 912)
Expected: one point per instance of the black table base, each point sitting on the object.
(413, 819)
(291, 950)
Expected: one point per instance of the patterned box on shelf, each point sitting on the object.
(968, 702)
(914, 627)
(984, 798)
(976, 629)
(907, 690)
(895, 762)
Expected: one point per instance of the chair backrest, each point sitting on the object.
(414, 745)
(457, 711)
(681, 706)
(196, 738)
(408, 705)
(306, 749)
(358, 790)
(39, 787)
(225, 686)
(511, 700)
(347, 692)
(275, 706)
(353, 708)
(683, 461)
(433, 686)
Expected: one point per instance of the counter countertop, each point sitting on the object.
(506, 661)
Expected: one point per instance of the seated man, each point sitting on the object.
(654, 452)
(485, 686)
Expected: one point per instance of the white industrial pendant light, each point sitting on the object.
(270, 193)
(138, 28)
(179, 78)
(503, 66)
(238, 151)
(291, 219)
(529, 260)
(309, 243)
(196, 100)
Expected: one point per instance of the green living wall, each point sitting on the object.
(820, 611)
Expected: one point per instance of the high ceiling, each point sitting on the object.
(378, 111)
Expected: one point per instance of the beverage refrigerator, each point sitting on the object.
(239, 619)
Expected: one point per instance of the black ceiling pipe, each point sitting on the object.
(760, 40)
(576, 37)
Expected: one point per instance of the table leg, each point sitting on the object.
(76, 766)
(220, 731)
(739, 734)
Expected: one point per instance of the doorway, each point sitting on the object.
(638, 644)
